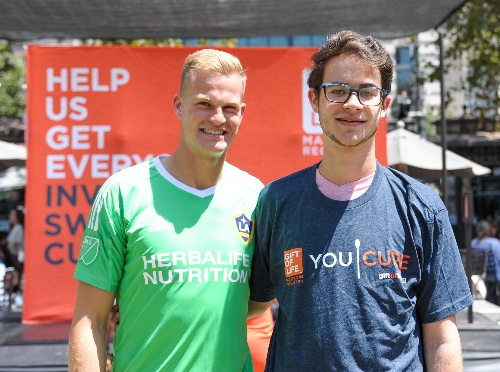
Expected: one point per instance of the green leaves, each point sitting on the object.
(12, 82)
(474, 36)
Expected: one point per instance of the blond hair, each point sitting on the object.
(214, 61)
(482, 229)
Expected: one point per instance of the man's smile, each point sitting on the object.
(215, 132)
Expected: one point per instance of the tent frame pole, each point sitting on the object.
(444, 175)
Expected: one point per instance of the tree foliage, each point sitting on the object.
(473, 33)
(12, 82)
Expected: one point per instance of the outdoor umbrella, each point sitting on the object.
(423, 159)
(11, 154)
(13, 178)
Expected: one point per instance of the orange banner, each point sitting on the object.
(93, 111)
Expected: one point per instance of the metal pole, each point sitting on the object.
(418, 102)
(467, 219)
(444, 174)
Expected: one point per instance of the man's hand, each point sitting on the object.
(113, 320)
(442, 349)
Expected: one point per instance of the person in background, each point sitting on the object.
(494, 233)
(15, 239)
(172, 240)
(5, 281)
(485, 242)
(9, 277)
(361, 258)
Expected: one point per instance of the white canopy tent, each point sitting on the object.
(13, 178)
(158, 19)
(12, 155)
(423, 159)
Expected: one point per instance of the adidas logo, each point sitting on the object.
(160, 225)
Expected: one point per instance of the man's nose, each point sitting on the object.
(353, 101)
(218, 116)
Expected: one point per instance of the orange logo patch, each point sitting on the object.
(293, 266)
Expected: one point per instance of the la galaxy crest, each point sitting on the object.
(244, 226)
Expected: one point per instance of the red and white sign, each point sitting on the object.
(93, 111)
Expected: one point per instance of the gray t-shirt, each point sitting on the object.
(354, 279)
(16, 235)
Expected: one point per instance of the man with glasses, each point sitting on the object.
(361, 258)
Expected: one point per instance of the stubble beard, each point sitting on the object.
(353, 143)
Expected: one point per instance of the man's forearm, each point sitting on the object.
(446, 358)
(442, 348)
(87, 340)
(87, 347)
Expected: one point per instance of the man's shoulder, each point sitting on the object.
(128, 178)
(416, 192)
(289, 185)
(243, 178)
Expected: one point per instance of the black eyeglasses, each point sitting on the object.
(340, 93)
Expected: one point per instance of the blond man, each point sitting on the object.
(175, 242)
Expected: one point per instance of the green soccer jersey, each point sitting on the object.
(179, 260)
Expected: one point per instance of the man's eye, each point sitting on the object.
(368, 92)
(338, 92)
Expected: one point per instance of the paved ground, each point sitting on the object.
(44, 347)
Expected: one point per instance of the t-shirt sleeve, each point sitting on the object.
(261, 287)
(444, 289)
(102, 253)
(495, 257)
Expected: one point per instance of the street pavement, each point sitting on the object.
(44, 347)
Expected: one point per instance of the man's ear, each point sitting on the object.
(243, 108)
(385, 105)
(177, 101)
(313, 96)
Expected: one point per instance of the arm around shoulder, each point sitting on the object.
(87, 340)
(442, 348)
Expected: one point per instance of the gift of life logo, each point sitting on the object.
(293, 266)
(312, 139)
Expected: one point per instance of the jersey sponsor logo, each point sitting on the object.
(195, 266)
(244, 226)
(90, 249)
(160, 224)
(294, 268)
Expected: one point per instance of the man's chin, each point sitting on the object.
(216, 150)
(349, 142)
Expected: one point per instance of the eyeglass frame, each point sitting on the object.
(352, 90)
